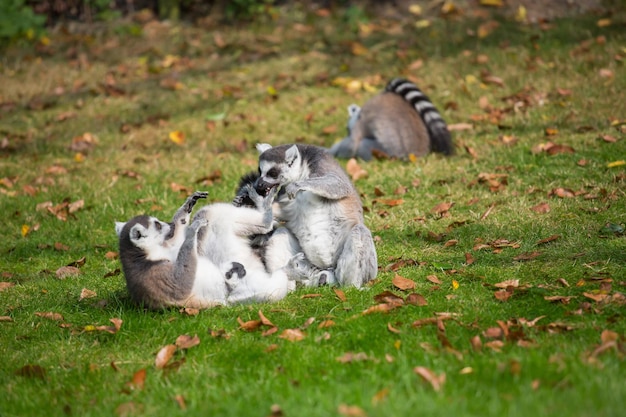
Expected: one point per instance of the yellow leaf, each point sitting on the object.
(412, 157)
(495, 3)
(604, 23)
(521, 14)
(415, 9)
(616, 164)
(25, 230)
(79, 157)
(455, 284)
(177, 137)
(359, 49)
(272, 91)
(423, 23)
(90, 328)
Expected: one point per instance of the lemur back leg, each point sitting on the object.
(357, 262)
(299, 269)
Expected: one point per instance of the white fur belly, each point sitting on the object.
(320, 227)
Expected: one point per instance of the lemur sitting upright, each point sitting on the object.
(320, 206)
(398, 122)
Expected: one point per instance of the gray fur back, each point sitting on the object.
(440, 140)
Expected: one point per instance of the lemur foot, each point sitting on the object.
(301, 270)
(236, 269)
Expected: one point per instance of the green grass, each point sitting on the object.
(132, 167)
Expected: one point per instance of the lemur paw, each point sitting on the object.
(292, 190)
(193, 199)
(236, 269)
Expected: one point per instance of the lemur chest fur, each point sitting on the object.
(317, 222)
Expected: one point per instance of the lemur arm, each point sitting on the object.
(329, 186)
(185, 268)
(249, 221)
(182, 214)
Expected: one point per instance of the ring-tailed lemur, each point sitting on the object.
(320, 206)
(208, 263)
(161, 263)
(398, 122)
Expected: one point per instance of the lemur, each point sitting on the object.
(207, 263)
(320, 206)
(398, 122)
(161, 263)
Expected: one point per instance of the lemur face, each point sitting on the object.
(146, 233)
(277, 167)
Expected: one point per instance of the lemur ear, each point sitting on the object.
(262, 147)
(291, 155)
(353, 109)
(137, 232)
(118, 228)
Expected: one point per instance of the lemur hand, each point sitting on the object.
(292, 189)
(193, 199)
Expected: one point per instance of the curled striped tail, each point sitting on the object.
(440, 139)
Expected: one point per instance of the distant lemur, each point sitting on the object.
(398, 122)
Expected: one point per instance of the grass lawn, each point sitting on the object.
(512, 251)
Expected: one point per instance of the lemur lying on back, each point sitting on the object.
(321, 207)
(206, 263)
(398, 122)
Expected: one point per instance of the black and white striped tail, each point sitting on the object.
(440, 140)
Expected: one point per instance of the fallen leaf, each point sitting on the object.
(527, 256)
(138, 381)
(350, 357)
(434, 279)
(85, 293)
(164, 355)
(31, 371)
(354, 170)
(559, 298)
(6, 285)
(264, 320)
(292, 335)
(180, 400)
(541, 208)
(325, 324)
(50, 316)
(67, 271)
(249, 326)
(508, 283)
(548, 239)
(379, 308)
(185, 341)
(351, 411)
(402, 283)
(340, 294)
(177, 137)
(503, 295)
(436, 381)
(416, 299)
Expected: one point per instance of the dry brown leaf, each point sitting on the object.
(379, 308)
(434, 279)
(67, 271)
(340, 294)
(416, 299)
(469, 259)
(85, 293)
(180, 400)
(326, 323)
(269, 331)
(292, 335)
(508, 283)
(548, 239)
(436, 381)
(527, 256)
(307, 323)
(541, 208)
(503, 295)
(185, 341)
(264, 320)
(250, 325)
(50, 315)
(389, 202)
(349, 357)
(477, 343)
(441, 208)
(117, 324)
(164, 355)
(138, 380)
(402, 283)
(6, 319)
(351, 411)
(31, 371)
(354, 170)
(393, 329)
(495, 345)
(559, 298)
(596, 297)
(6, 285)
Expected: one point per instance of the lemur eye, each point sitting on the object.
(273, 173)
(158, 226)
